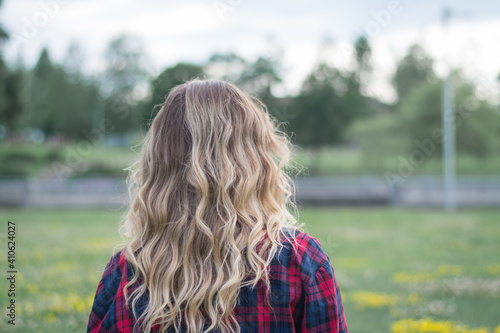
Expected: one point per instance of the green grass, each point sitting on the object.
(391, 265)
(60, 257)
(390, 251)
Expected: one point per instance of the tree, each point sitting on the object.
(161, 86)
(476, 124)
(11, 83)
(41, 112)
(257, 78)
(58, 104)
(363, 71)
(125, 66)
(328, 102)
(124, 77)
(3, 34)
(12, 104)
(74, 62)
(225, 66)
(75, 106)
(331, 99)
(416, 67)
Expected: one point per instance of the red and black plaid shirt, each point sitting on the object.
(304, 295)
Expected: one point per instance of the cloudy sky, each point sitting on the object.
(192, 30)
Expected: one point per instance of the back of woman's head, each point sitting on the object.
(210, 204)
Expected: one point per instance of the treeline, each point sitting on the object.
(59, 101)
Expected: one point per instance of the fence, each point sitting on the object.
(365, 190)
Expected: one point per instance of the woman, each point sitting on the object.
(212, 244)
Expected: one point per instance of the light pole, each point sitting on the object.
(448, 114)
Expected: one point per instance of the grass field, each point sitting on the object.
(398, 270)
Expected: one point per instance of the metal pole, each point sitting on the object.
(449, 134)
(449, 144)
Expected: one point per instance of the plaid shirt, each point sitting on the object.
(304, 295)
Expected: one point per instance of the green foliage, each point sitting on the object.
(125, 73)
(11, 99)
(11, 81)
(412, 70)
(10, 169)
(225, 66)
(3, 34)
(328, 103)
(161, 86)
(57, 104)
(327, 161)
(476, 125)
(22, 161)
(53, 155)
(331, 99)
(419, 117)
(378, 136)
(257, 78)
(363, 52)
(98, 169)
(125, 66)
(331, 108)
(364, 67)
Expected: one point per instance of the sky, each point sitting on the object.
(176, 30)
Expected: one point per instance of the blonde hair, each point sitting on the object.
(211, 199)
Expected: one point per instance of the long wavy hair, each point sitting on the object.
(211, 199)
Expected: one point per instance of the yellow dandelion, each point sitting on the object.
(413, 298)
(408, 278)
(368, 299)
(32, 288)
(493, 270)
(428, 325)
(50, 317)
(447, 270)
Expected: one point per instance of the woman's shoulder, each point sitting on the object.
(117, 268)
(118, 258)
(115, 263)
(303, 242)
(118, 272)
(305, 250)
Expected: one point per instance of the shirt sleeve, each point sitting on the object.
(103, 316)
(323, 309)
